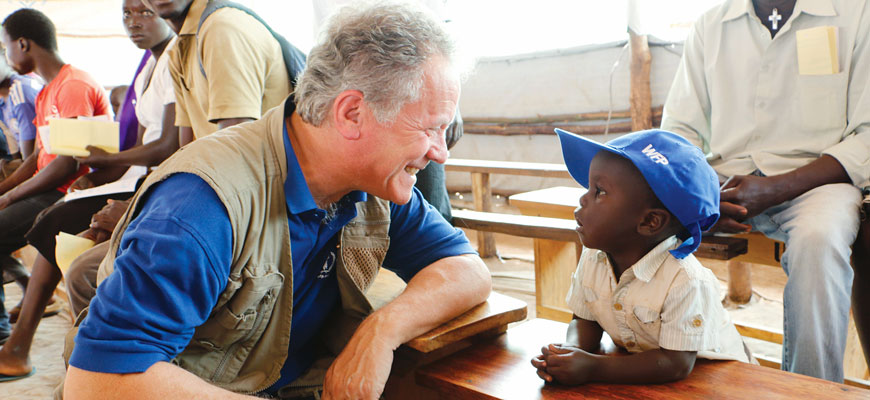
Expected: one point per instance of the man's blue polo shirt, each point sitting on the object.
(174, 261)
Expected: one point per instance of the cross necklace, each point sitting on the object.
(774, 19)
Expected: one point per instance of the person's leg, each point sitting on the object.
(15, 220)
(818, 229)
(81, 277)
(861, 285)
(72, 216)
(14, 355)
(431, 183)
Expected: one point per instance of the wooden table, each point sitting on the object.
(485, 320)
(555, 261)
(500, 369)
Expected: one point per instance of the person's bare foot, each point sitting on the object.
(13, 366)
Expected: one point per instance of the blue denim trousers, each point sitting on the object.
(818, 229)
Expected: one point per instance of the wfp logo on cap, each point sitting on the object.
(654, 155)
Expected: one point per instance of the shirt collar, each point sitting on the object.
(738, 8)
(645, 268)
(822, 8)
(191, 21)
(296, 192)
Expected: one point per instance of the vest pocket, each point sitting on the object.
(237, 319)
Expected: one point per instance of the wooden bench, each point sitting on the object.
(499, 368)
(557, 248)
(482, 191)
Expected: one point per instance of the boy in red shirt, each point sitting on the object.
(31, 46)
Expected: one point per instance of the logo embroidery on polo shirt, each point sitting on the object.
(654, 155)
(327, 266)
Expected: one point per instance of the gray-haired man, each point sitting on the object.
(257, 306)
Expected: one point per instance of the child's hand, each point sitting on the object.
(540, 363)
(569, 365)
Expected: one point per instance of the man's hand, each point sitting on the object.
(570, 365)
(82, 183)
(730, 215)
(362, 368)
(104, 221)
(754, 193)
(98, 158)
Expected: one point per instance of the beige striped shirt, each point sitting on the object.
(660, 302)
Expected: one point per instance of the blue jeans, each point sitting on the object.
(818, 229)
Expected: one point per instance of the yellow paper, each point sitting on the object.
(68, 248)
(817, 51)
(70, 137)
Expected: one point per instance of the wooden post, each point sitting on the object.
(483, 202)
(739, 282)
(641, 96)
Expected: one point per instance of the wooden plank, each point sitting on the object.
(517, 225)
(500, 369)
(555, 262)
(759, 332)
(482, 193)
(640, 98)
(558, 118)
(548, 129)
(498, 311)
(721, 247)
(739, 282)
(543, 170)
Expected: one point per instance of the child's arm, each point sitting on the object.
(582, 333)
(573, 366)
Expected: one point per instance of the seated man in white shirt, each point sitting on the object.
(790, 143)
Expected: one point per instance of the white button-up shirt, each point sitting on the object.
(738, 94)
(659, 302)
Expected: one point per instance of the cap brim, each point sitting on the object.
(578, 153)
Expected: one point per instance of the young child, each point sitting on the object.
(651, 194)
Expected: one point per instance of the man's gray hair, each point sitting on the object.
(380, 49)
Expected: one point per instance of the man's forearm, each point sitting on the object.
(161, 381)
(23, 173)
(439, 292)
(825, 170)
(53, 175)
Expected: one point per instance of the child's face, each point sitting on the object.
(614, 206)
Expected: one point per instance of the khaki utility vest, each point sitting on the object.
(243, 344)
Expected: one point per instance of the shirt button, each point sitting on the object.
(697, 322)
(617, 307)
(630, 344)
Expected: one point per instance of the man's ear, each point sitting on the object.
(654, 222)
(347, 112)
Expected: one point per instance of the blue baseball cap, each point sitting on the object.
(675, 169)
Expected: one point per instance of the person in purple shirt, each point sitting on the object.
(370, 111)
